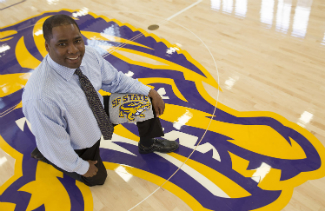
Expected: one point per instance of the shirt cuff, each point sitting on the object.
(83, 168)
(144, 90)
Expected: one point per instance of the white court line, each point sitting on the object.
(214, 111)
(183, 10)
(215, 107)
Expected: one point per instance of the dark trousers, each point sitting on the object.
(91, 153)
(147, 129)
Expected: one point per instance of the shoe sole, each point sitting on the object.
(144, 152)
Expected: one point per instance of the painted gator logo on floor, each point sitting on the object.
(246, 161)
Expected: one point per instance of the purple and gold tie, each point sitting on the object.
(105, 125)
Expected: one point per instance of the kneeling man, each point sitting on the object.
(67, 113)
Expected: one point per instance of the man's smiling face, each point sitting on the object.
(66, 46)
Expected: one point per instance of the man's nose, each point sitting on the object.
(72, 49)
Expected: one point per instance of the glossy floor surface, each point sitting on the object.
(261, 148)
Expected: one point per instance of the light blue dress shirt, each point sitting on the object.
(59, 113)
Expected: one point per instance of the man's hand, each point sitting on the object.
(92, 171)
(157, 102)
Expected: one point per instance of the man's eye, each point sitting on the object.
(61, 44)
(78, 41)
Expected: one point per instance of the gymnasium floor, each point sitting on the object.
(243, 85)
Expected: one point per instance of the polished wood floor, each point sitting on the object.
(270, 56)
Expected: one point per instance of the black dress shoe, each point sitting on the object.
(159, 145)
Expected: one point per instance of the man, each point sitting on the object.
(61, 100)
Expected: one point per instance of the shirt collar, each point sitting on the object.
(63, 71)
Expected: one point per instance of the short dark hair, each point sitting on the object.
(56, 20)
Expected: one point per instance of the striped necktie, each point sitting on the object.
(96, 106)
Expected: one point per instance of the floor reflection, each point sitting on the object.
(305, 118)
(3, 160)
(241, 8)
(52, 2)
(271, 11)
(227, 6)
(4, 48)
(267, 12)
(215, 4)
(84, 11)
(261, 172)
(301, 18)
(283, 15)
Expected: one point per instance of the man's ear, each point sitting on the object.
(46, 46)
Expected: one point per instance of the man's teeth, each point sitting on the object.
(73, 58)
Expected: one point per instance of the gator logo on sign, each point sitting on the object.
(131, 106)
(246, 161)
(132, 109)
